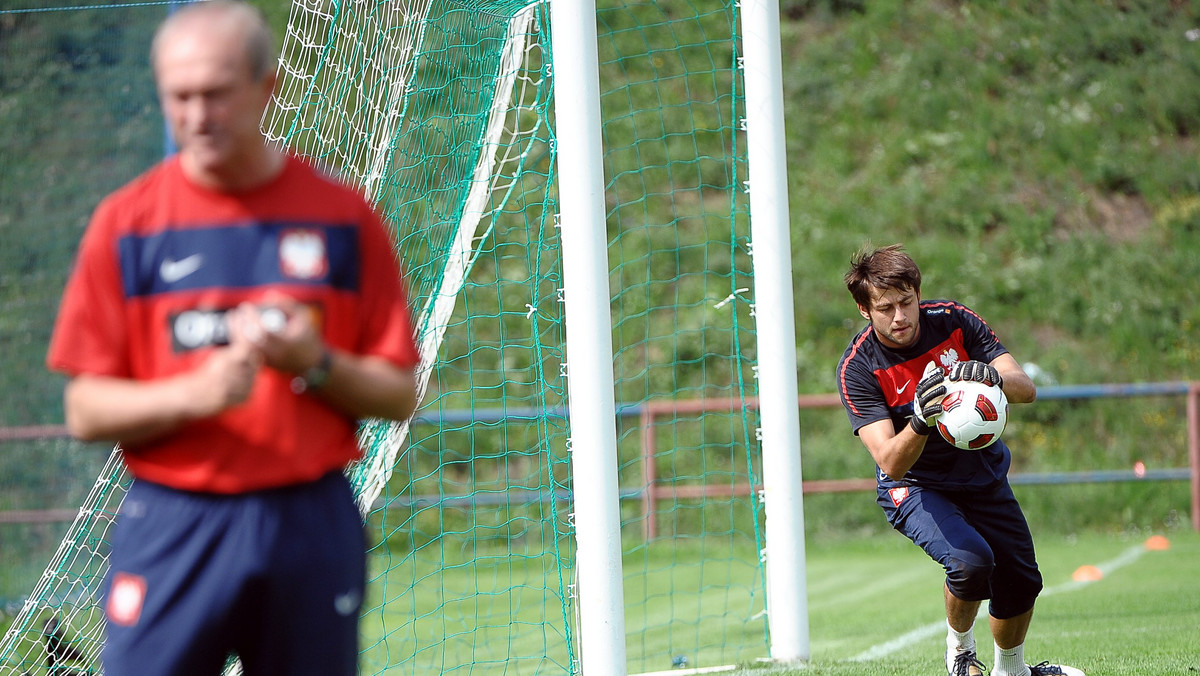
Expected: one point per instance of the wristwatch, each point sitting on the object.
(316, 375)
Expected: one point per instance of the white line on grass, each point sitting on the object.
(682, 672)
(933, 629)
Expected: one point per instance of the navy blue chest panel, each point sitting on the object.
(239, 257)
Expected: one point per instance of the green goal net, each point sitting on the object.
(443, 111)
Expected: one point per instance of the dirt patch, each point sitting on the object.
(1120, 217)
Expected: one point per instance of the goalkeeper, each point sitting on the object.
(956, 505)
(231, 316)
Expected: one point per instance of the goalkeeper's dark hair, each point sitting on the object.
(886, 267)
(260, 44)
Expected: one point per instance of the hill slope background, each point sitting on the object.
(1039, 162)
(1038, 159)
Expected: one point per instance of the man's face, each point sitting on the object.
(209, 97)
(895, 315)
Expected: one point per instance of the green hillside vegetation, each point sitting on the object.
(77, 118)
(1037, 158)
(1040, 162)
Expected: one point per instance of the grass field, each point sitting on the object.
(875, 608)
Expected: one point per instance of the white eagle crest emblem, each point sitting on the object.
(302, 253)
(948, 359)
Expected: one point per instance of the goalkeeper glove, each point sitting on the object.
(928, 402)
(976, 371)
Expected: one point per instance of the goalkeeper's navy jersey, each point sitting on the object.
(877, 383)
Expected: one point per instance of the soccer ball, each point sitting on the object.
(973, 414)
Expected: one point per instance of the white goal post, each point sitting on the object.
(787, 597)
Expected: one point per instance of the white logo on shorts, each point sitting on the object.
(348, 603)
(126, 598)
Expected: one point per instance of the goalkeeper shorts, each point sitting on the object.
(980, 537)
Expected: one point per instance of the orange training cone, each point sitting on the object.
(1158, 543)
(1087, 574)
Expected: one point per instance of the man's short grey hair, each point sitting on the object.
(260, 45)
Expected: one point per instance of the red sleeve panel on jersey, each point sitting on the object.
(387, 324)
(90, 334)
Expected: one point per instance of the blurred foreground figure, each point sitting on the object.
(232, 315)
